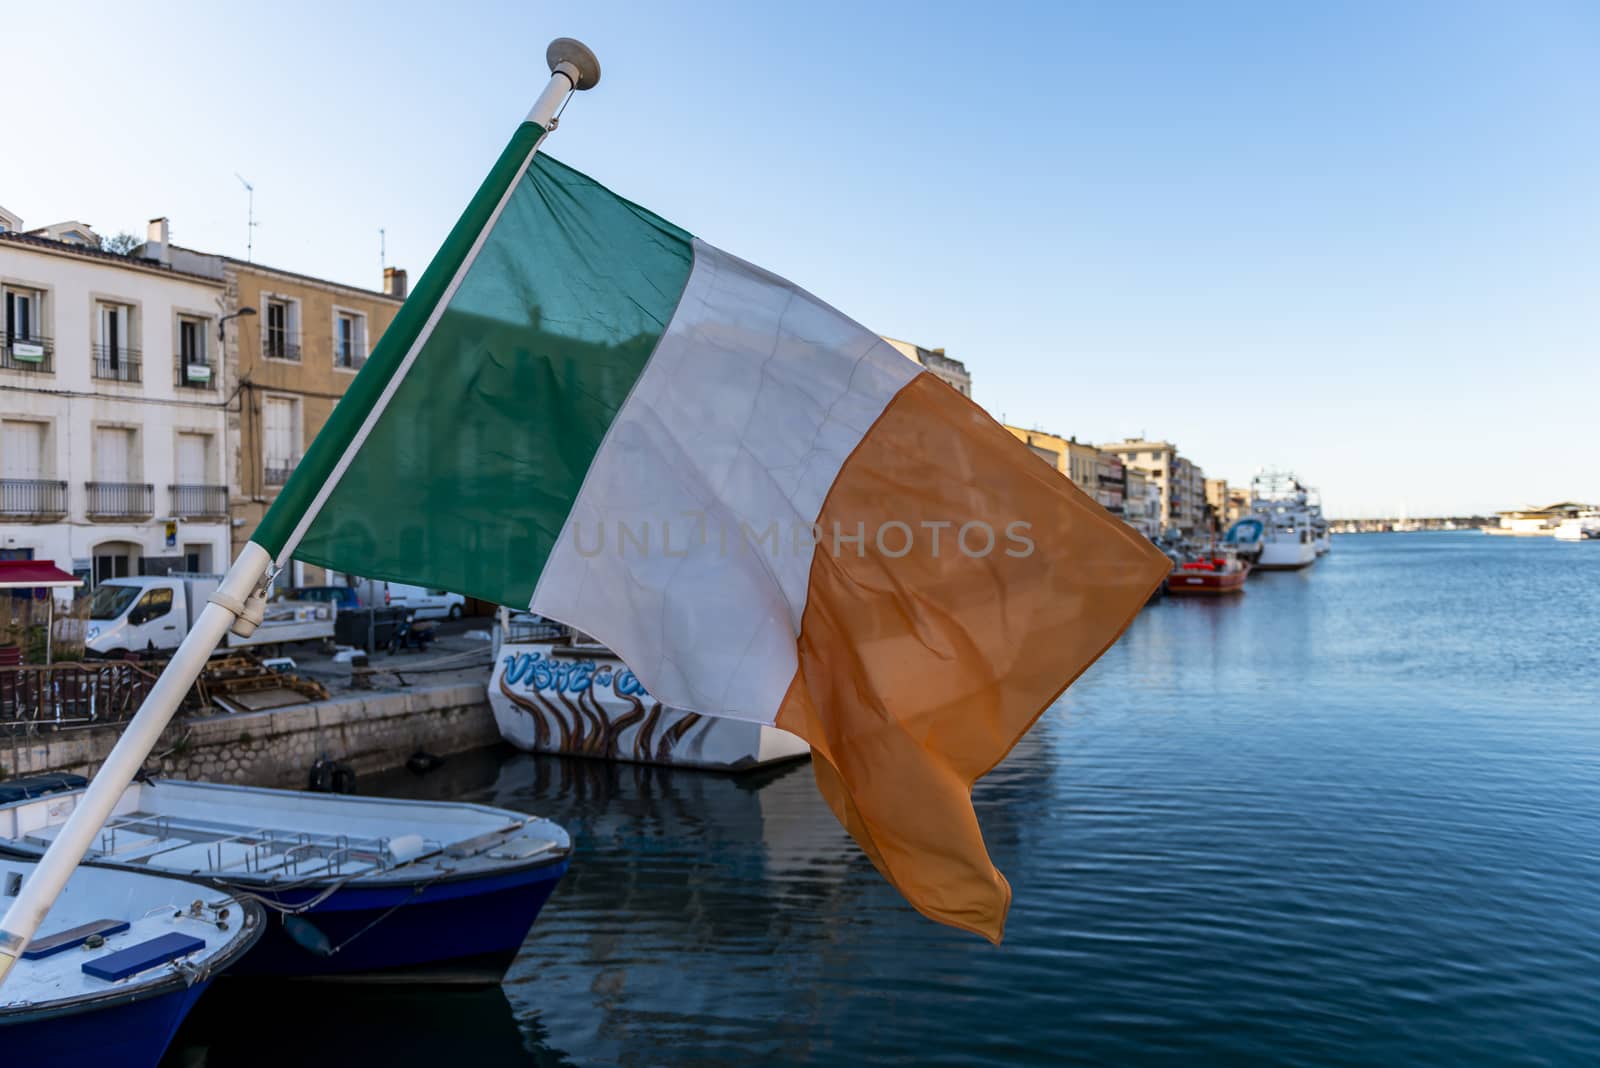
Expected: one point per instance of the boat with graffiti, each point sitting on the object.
(554, 690)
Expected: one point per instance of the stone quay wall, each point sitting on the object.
(370, 732)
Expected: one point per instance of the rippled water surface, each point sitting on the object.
(1350, 818)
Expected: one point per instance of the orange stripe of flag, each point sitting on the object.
(919, 672)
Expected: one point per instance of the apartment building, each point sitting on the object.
(292, 361)
(1141, 504)
(1179, 484)
(112, 409)
(1073, 458)
(1111, 479)
(951, 370)
(1226, 503)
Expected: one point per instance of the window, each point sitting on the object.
(192, 453)
(109, 603)
(280, 438)
(349, 339)
(153, 605)
(22, 449)
(23, 318)
(23, 347)
(280, 331)
(113, 454)
(115, 356)
(193, 367)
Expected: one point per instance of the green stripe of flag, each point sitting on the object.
(470, 473)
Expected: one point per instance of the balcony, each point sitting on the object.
(116, 364)
(32, 498)
(277, 472)
(120, 500)
(195, 373)
(27, 354)
(199, 502)
(280, 345)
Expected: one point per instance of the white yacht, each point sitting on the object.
(1585, 526)
(1320, 537)
(1288, 524)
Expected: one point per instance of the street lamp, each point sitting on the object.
(222, 323)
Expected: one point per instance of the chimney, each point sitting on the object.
(156, 247)
(394, 282)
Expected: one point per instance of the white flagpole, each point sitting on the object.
(238, 604)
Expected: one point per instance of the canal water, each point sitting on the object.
(1350, 818)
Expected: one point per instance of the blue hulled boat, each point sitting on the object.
(119, 963)
(370, 889)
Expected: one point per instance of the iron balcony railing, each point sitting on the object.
(27, 354)
(195, 501)
(121, 498)
(278, 471)
(116, 364)
(348, 361)
(280, 345)
(33, 497)
(196, 373)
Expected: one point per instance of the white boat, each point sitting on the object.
(1320, 537)
(368, 888)
(120, 961)
(1288, 536)
(555, 691)
(1582, 527)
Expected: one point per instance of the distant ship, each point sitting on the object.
(1284, 525)
(1585, 526)
(1320, 537)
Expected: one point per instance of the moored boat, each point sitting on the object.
(120, 961)
(1289, 535)
(1584, 526)
(554, 691)
(363, 888)
(1244, 537)
(1215, 574)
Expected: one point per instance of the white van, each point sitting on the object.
(424, 603)
(132, 615)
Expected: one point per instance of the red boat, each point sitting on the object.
(1212, 574)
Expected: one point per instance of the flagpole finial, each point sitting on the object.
(566, 51)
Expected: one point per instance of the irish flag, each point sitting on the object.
(764, 509)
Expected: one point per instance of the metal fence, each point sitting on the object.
(280, 345)
(32, 497)
(27, 354)
(118, 364)
(36, 698)
(277, 471)
(195, 374)
(121, 498)
(196, 501)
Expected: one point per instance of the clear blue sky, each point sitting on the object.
(1361, 240)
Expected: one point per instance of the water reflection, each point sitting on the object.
(1346, 819)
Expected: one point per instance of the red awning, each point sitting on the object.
(32, 574)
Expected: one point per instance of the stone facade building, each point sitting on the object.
(113, 425)
(951, 370)
(1179, 484)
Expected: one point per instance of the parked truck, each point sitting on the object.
(155, 612)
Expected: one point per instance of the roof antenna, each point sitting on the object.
(250, 231)
(383, 254)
